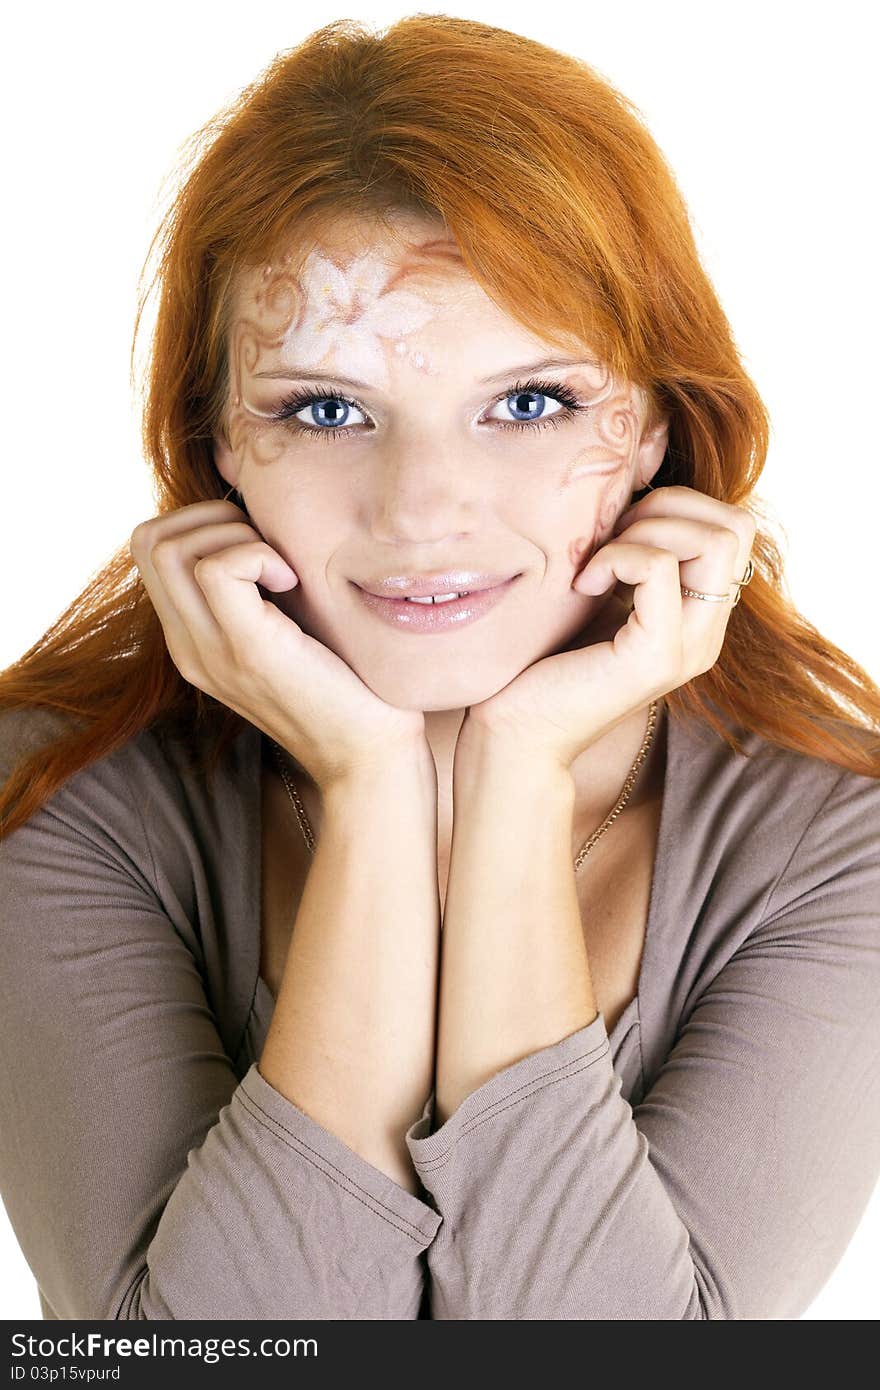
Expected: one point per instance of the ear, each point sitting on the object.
(225, 462)
(649, 457)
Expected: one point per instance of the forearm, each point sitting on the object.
(352, 1037)
(514, 974)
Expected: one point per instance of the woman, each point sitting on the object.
(505, 956)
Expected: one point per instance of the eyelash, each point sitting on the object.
(295, 402)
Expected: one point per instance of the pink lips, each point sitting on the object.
(436, 617)
(460, 581)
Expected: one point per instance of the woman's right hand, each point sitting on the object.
(201, 565)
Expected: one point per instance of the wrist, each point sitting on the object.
(405, 767)
(483, 754)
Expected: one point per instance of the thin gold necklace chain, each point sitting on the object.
(624, 797)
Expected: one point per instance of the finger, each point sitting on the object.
(711, 570)
(687, 502)
(228, 580)
(174, 556)
(168, 570)
(190, 625)
(710, 555)
(654, 573)
(175, 523)
(174, 526)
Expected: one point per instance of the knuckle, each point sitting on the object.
(188, 670)
(660, 560)
(190, 663)
(744, 524)
(137, 538)
(163, 551)
(724, 536)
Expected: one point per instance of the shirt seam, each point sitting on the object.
(513, 1098)
(155, 877)
(143, 825)
(768, 906)
(305, 1150)
(248, 1016)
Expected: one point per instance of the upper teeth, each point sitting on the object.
(436, 598)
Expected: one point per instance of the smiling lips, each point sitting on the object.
(457, 582)
(407, 614)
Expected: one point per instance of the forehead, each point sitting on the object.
(407, 284)
(368, 295)
(341, 272)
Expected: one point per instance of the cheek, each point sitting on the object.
(579, 549)
(313, 524)
(253, 442)
(608, 450)
(614, 501)
(606, 507)
(252, 439)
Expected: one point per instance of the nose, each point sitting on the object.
(424, 489)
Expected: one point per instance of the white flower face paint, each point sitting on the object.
(351, 313)
(351, 310)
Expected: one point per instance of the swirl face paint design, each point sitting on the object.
(611, 454)
(357, 312)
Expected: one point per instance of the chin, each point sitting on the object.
(431, 692)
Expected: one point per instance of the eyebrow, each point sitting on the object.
(292, 373)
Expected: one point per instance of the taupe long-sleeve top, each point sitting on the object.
(711, 1158)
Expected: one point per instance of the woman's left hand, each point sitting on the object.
(563, 703)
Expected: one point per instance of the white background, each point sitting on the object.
(765, 113)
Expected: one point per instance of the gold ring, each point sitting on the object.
(710, 598)
(741, 583)
(722, 598)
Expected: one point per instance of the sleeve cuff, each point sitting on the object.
(507, 1088)
(407, 1213)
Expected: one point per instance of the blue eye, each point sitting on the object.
(335, 410)
(335, 426)
(530, 403)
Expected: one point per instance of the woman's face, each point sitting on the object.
(449, 461)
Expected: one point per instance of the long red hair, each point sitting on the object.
(531, 159)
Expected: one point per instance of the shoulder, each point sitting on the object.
(781, 785)
(102, 788)
(767, 851)
(25, 731)
(746, 831)
(140, 823)
(90, 827)
(150, 768)
(143, 811)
